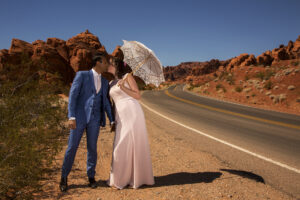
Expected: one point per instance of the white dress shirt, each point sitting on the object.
(97, 82)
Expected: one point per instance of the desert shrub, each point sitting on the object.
(238, 89)
(246, 78)
(147, 87)
(283, 67)
(260, 75)
(31, 128)
(197, 84)
(230, 80)
(220, 86)
(190, 87)
(269, 74)
(295, 63)
(206, 92)
(265, 75)
(223, 75)
(268, 85)
(141, 86)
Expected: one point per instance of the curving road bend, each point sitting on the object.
(263, 142)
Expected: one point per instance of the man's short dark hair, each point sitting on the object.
(99, 56)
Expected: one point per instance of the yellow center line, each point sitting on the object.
(233, 113)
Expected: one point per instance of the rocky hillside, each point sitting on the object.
(270, 81)
(181, 72)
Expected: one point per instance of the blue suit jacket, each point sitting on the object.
(82, 96)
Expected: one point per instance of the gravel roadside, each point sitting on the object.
(181, 172)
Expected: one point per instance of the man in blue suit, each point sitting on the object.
(88, 102)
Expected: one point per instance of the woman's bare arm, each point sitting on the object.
(133, 90)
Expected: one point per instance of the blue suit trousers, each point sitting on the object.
(92, 131)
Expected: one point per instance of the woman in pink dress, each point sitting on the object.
(131, 160)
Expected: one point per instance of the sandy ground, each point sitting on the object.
(181, 172)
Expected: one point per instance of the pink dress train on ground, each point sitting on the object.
(131, 160)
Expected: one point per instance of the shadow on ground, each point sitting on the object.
(183, 178)
(245, 174)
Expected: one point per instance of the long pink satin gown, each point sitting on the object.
(131, 160)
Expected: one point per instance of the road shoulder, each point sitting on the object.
(181, 172)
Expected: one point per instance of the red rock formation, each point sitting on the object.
(265, 58)
(194, 69)
(185, 69)
(60, 46)
(118, 53)
(280, 54)
(49, 59)
(290, 46)
(55, 55)
(296, 48)
(82, 47)
(20, 46)
(3, 57)
(67, 57)
(237, 60)
(18, 50)
(251, 60)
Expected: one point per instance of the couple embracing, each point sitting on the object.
(88, 102)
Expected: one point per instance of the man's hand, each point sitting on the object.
(112, 127)
(72, 124)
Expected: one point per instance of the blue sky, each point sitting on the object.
(177, 31)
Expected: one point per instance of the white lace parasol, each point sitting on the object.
(143, 62)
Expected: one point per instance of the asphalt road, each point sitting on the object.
(266, 143)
